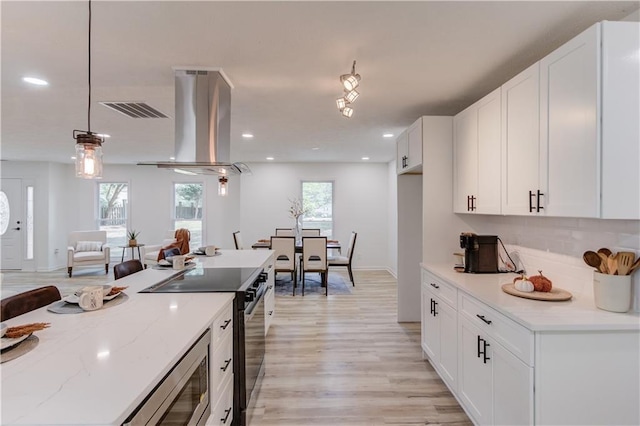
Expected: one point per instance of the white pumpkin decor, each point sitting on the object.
(524, 285)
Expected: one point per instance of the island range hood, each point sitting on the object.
(202, 125)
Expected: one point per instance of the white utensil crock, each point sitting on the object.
(612, 292)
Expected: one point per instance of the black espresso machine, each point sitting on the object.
(480, 253)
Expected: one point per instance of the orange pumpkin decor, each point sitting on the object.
(541, 283)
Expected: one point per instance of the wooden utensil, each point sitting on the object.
(592, 259)
(604, 268)
(625, 261)
(635, 266)
(612, 264)
(605, 251)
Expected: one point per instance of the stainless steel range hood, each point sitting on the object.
(202, 124)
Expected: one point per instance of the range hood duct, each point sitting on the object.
(202, 125)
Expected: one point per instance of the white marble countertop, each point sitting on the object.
(579, 313)
(95, 368)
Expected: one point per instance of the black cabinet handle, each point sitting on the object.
(473, 203)
(531, 195)
(434, 285)
(484, 352)
(479, 344)
(468, 203)
(435, 305)
(226, 415)
(226, 324)
(226, 365)
(483, 319)
(431, 310)
(539, 194)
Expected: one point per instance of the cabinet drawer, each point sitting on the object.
(221, 363)
(514, 337)
(222, 324)
(222, 411)
(446, 292)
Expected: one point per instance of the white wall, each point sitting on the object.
(361, 203)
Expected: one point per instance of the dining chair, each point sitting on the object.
(27, 301)
(285, 232)
(314, 259)
(345, 261)
(310, 232)
(285, 253)
(127, 267)
(237, 240)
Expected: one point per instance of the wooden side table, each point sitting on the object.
(124, 249)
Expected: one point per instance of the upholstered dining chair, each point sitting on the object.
(314, 259)
(285, 254)
(88, 248)
(345, 261)
(285, 232)
(27, 301)
(237, 240)
(127, 267)
(310, 232)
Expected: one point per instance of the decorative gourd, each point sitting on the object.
(541, 283)
(524, 285)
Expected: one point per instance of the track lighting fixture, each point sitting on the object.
(349, 82)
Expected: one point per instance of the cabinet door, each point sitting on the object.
(448, 344)
(512, 388)
(430, 327)
(569, 125)
(474, 375)
(414, 135)
(465, 168)
(402, 155)
(520, 141)
(488, 182)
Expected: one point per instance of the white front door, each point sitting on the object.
(11, 223)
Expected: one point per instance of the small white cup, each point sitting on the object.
(612, 292)
(210, 250)
(91, 298)
(178, 262)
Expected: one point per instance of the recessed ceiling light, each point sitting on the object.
(270, 158)
(365, 158)
(73, 158)
(387, 135)
(247, 135)
(172, 158)
(36, 81)
(315, 148)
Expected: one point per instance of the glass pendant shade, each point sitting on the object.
(222, 186)
(341, 103)
(88, 157)
(352, 96)
(347, 112)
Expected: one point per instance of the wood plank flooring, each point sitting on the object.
(341, 360)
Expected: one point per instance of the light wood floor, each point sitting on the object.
(341, 360)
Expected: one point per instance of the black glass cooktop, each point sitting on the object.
(207, 280)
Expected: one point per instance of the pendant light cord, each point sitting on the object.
(89, 73)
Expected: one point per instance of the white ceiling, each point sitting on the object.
(284, 59)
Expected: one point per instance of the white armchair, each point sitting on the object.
(88, 248)
(150, 252)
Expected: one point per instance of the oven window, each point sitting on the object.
(184, 406)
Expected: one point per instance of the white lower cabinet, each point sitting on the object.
(222, 411)
(439, 328)
(221, 368)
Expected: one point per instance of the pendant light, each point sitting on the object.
(349, 83)
(222, 186)
(88, 144)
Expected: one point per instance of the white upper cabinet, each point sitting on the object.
(477, 157)
(409, 149)
(521, 143)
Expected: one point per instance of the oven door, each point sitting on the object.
(182, 398)
(254, 345)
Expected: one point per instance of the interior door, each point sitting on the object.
(11, 223)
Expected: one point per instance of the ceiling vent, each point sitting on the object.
(134, 109)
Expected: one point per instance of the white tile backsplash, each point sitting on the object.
(570, 237)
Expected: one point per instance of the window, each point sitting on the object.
(317, 200)
(188, 201)
(113, 213)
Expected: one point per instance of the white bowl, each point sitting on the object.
(3, 329)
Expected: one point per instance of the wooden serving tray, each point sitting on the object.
(555, 295)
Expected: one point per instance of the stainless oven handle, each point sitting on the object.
(248, 313)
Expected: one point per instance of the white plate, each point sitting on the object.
(7, 342)
(72, 298)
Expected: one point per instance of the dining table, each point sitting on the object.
(266, 244)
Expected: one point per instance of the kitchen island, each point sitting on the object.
(95, 368)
